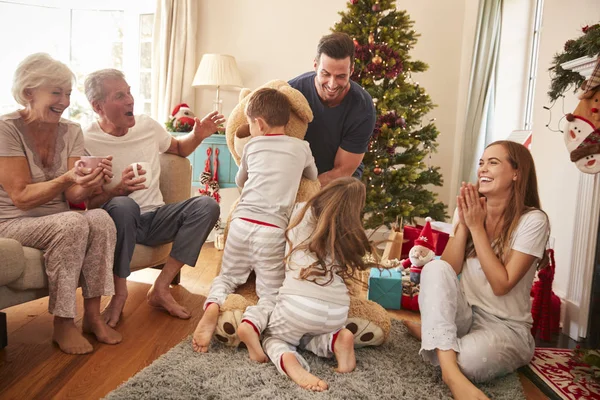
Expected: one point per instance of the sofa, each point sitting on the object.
(22, 274)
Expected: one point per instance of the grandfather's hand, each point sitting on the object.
(472, 209)
(129, 183)
(208, 125)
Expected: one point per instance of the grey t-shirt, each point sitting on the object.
(15, 141)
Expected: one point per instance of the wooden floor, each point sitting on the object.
(31, 367)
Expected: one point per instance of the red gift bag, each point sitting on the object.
(440, 238)
(412, 233)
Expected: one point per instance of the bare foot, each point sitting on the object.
(99, 328)
(462, 388)
(414, 328)
(206, 328)
(166, 301)
(112, 313)
(68, 337)
(344, 351)
(301, 376)
(248, 335)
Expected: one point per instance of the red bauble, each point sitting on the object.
(353, 1)
(377, 60)
(376, 7)
(377, 171)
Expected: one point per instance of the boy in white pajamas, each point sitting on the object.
(269, 174)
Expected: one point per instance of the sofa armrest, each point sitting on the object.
(175, 178)
(12, 261)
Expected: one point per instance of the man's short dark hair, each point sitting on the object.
(270, 105)
(337, 45)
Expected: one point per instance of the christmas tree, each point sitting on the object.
(397, 170)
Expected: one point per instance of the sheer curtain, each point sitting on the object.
(174, 56)
(482, 85)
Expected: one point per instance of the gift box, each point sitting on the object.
(385, 287)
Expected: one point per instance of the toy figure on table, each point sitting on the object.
(421, 253)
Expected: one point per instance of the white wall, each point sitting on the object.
(557, 176)
(273, 39)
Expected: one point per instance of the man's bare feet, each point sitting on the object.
(99, 328)
(302, 377)
(344, 351)
(248, 335)
(68, 337)
(166, 301)
(414, 328)
(206, 328)
(463, 388)
(112, 312)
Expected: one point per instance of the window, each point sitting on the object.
(533, 62)
(87, 35)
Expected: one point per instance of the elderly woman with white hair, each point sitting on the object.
(38, 176)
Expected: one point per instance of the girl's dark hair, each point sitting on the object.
(338, 241)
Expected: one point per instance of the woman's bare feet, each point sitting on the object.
(248, 335)
(99, 328)
(112, 312)
(344, 351)
(166, 301)
(68, 337)
(462, 388)
(302, 377)
(414, 328)
(206, 328)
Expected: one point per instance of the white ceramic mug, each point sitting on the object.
(146, 167)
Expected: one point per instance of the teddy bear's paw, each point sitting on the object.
(365, 332)
(227, 324)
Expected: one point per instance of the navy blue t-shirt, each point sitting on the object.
(349, 125)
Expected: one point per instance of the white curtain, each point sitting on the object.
(174, 56)
(482, 87)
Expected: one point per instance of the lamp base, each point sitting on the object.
(218, 106)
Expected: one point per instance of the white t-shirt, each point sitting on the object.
(529, 237)
(269, 175)
(335, 292)
(142, 143)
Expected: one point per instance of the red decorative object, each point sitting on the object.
(391, 119)
(377, 171)
(558, 372)
(389, 67)
(377, 59)
(376, 7)
(353, 1)
(545, 308)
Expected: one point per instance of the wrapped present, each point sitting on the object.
(385, 287)
(410, 294)
(412, 233)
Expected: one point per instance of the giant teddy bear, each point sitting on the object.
(367, 320)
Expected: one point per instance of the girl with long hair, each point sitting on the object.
(326, 244)
(478, 328)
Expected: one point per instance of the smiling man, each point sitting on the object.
(135, 203)
(344, 115)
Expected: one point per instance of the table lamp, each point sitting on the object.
(217, 70)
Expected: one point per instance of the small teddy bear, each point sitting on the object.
(182, 118)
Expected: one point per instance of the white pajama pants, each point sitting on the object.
(250, 247)
(302, 321)
(486, 346)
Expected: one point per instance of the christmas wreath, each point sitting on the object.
(379, 60)
(588, 44)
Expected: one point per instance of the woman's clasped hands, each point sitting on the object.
(472, 208)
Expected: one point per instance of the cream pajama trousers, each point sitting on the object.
(486, 346)
(78, 250)
(249, 247)
(304, 322)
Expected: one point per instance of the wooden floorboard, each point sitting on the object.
(31, 367)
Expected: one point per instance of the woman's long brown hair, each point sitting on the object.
(338, 240)
(524, 198)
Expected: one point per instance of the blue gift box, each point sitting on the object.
(385, 288)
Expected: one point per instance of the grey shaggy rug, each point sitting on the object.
(393, 370)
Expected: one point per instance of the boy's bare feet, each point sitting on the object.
(68, 337)
(344, 351)
(112, 312)
(301, 376)
(166, 301)
(414, 328)
(99, 328)
(206, 328)
(462, 388)
(248, 335)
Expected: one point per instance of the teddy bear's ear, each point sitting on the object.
(242, 131)
(298, 103)
(243, 93)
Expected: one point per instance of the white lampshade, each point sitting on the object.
(218, 70)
